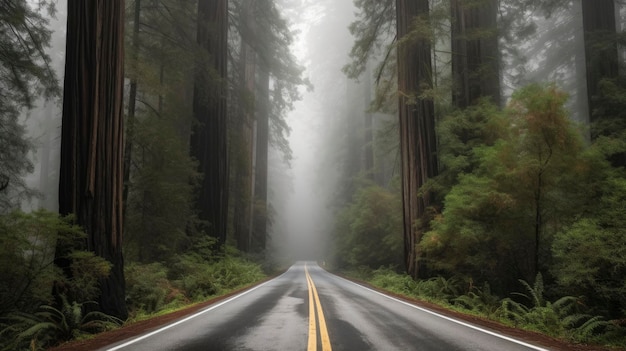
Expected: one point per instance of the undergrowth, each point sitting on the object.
(567, 318)
(156, 288)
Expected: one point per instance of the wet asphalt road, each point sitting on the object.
(282, 314)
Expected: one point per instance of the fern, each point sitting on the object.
(535, 292)
(592, 326)
(479, 300)
(50, 325)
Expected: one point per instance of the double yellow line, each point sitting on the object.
(314, 304)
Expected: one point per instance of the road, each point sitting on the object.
(307, 308)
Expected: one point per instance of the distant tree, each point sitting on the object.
(132, 101)
(475, 54)
(367, 232)
(209, 134)
(92, 139)
(418, 142)
(162, 176)
(375, 23)
(270, 78)
(243, 107)
(25, 74)
(600, 46)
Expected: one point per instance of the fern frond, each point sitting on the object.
(591, 326)
(574, 320)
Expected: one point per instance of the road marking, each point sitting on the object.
(312, 346)
(128, 343)
(504, 337)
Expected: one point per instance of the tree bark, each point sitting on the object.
(91, 172)
(475, 55)
(132, 99)
(260, 169)
(417, 129)
(601, 53)
(243, 167)
(209, 136)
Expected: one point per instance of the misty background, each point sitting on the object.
(305, 195)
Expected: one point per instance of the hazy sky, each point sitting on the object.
(308, 216)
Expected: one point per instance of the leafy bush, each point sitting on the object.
(148, 289)
(439, 288)
(49, 325)
(561, 318)
(369, 230)
(388, 279)
(480, 301)
(27, 270)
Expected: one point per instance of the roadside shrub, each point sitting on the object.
(479, 300)
(388, 279)
(148, 289)
(439, 288)
(48, 325)
(27, 246)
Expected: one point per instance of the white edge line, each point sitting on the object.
(471, 326)
(210, 308)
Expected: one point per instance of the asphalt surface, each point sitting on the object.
(307, 308)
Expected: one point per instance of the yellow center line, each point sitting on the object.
(312, 346)
(320, 315)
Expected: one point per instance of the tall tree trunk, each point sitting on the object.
(209, 136)
(475, 55)
(243, 190)
(600, 46)
(368, 126)
(260, 169)
(417, 129)
(91, 173)
(132, 100)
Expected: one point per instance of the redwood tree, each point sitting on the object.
(417, 125)
(209, 135)
(91, 171)
(475, 56)
(600, 46)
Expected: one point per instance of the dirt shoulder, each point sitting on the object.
(138, 328)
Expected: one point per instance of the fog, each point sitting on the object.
(44, 125)
(302, 195)
(302, 229)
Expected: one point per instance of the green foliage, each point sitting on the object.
(148, 288)
(200, 278)
(194, 276)
(49, 325)
(161, 189)
(564, 317)
(461, 134)
(517, 183)
(25, 71)
(439, 288)
(389, 279)
(373, 28)
(589, 255)
(368, 230)
(26, 261)
(25, 74)
(478, 300)
(31, 317)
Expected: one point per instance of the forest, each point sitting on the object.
(156, 153)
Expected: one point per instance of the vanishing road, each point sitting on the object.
(307, 308)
